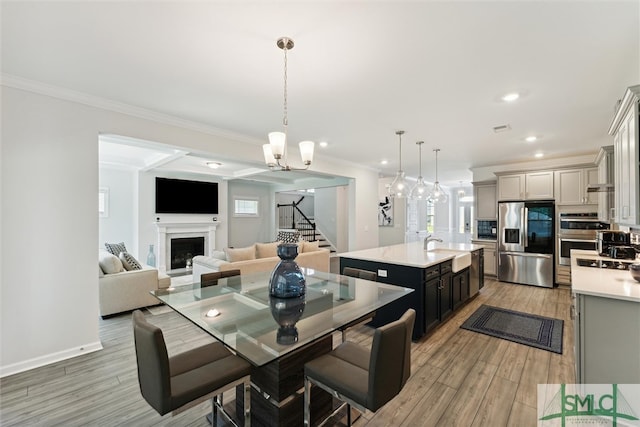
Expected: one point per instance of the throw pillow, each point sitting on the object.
(267, 250)
(129, 262)
(115, 248)
(288, 236)
(219, 255)
(241, 254)
(110, 263)
(310, 246)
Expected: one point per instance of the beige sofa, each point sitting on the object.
(258, 258)
(127, 290)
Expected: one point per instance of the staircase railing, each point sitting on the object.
(290, 216)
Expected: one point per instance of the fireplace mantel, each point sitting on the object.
(169, 230)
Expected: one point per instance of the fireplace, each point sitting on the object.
(168, 232)
(183, 249)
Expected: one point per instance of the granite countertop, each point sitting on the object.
(602, 282)
(412, 254)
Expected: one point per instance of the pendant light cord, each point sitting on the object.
(400, 152)
(420, 150)
(436, 150)
(285, 121)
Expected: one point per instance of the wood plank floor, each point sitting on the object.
(459, 378)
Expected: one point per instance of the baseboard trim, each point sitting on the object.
(37, 362)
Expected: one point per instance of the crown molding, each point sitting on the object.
(66, 94)
(118, 107)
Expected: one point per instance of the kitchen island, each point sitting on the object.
(607, 320)
(443, 277)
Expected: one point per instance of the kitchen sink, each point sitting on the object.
(460, 261)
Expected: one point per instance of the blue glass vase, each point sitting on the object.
(286, 312)
(287, 280)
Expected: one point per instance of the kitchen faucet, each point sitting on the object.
(428, 239)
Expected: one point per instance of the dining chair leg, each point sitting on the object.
(247, 403)
(348, 415)
(307, 402)
(214, 411)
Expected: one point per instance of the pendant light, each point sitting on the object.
(437, 193)
(399, 187)
(419, 191)
(461, 192)
(276, 150)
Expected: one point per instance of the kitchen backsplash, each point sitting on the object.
(487, 229)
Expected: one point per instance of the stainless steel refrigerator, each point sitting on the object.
(526, 242)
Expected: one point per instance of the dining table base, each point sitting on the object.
(277, 389)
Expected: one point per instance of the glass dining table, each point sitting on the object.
(278, 335)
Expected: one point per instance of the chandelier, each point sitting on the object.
(275, 153)
(437, 193)
(419, 191)
(399, 187)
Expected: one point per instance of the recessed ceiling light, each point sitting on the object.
(510, 97)
(539, 155)
(384, 162)
(531, 138)
(214, 165)
(323, 144)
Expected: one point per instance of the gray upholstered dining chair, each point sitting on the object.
(174, 384)
(360, 274)
(363, 378)
(211, 279)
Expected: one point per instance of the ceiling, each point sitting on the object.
(359, 71)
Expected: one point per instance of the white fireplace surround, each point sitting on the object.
(173, 230)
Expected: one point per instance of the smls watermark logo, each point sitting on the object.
(589, 405)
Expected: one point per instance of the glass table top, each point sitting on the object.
(262, 328)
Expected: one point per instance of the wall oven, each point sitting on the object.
(577, 230)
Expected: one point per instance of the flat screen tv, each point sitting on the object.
(180, 196)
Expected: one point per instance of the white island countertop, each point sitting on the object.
(412, 254)
(602, 282)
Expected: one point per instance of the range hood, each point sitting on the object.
(600, 188)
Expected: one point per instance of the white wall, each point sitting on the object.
(326, 213)
(49, 184)
(392, 235)
(245, 231)
(119, 225)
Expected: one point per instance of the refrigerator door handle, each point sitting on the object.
(525, 222)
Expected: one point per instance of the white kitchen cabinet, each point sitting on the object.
(485, 199)
(602, 355)
(604, 160)
(624, 129)
(570, 186)
(526, 186)
(490, 259)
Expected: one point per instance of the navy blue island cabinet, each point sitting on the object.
(432, 298)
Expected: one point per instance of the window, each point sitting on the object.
(103, 202)
(431, 216)
(245, 207)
